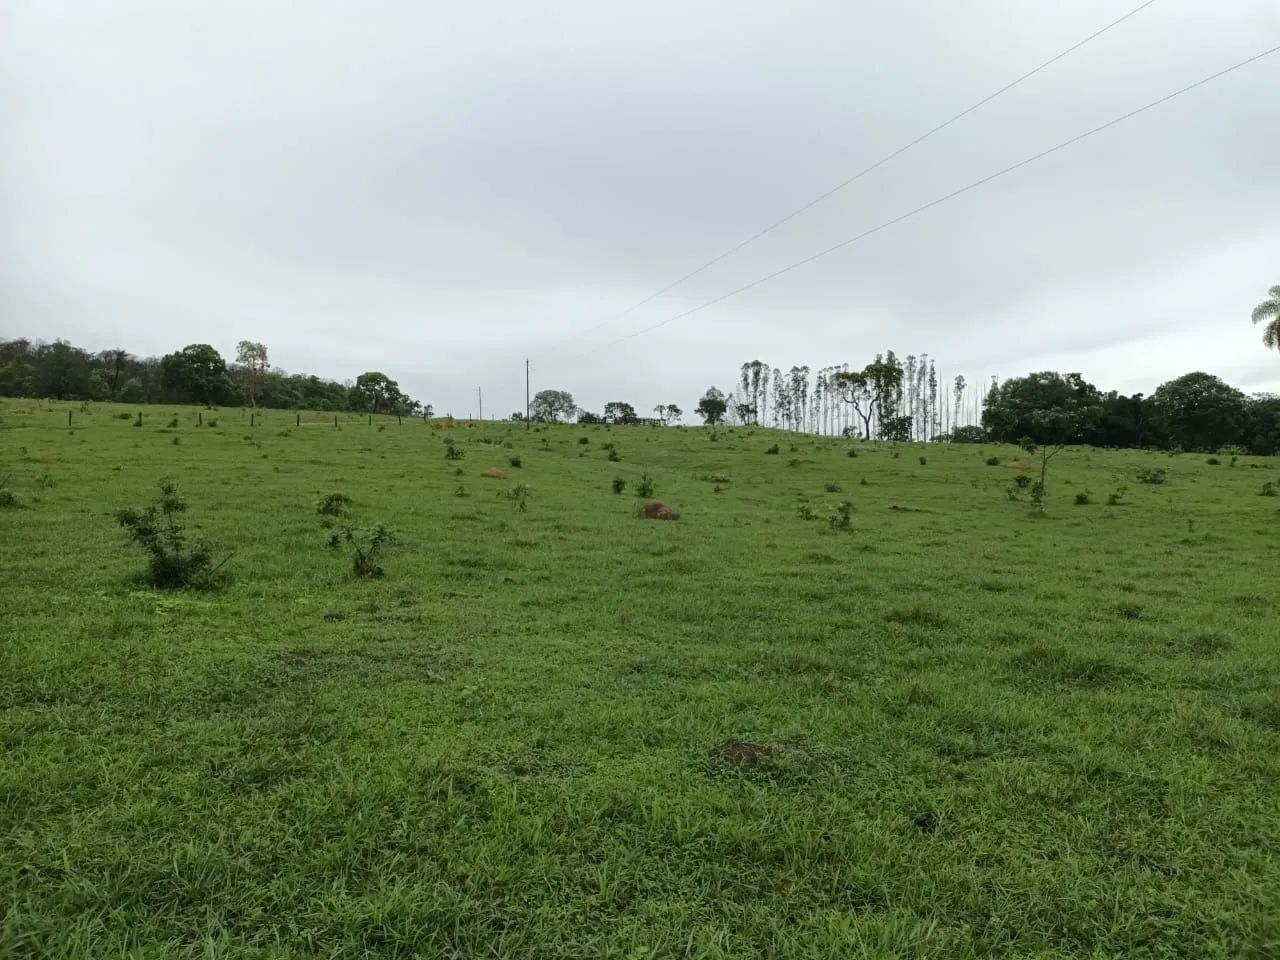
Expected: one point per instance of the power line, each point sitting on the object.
(935, 202)
(863, 172)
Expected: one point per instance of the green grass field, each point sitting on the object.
(956, 729)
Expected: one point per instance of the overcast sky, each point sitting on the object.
(440, 190)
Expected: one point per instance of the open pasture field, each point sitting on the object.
(555, 729)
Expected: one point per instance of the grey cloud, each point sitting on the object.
(441, 191)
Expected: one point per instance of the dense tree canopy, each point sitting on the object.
(1044, 408)
(197, 372)
(1199, 411)
(712, 406)
(553, 406)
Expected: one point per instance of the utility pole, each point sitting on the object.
(480, 394)
(527, 408)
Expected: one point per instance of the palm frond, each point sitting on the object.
(1266, 310)
(1271, 334)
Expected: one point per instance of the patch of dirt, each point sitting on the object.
(747, 753)
(1017, 465)
(493, 473)
(299, 657)
(657, 510)
(926, 821)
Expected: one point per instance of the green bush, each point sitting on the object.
(619, 484)
(842, 519)
(366, 549)
(613, 455)
(993, 461)
(644, 487)
(157, 529)
(1082, 499)
(334, 505)
(772, 451)
(1152, 475)
(1269, 489)
(515, 462)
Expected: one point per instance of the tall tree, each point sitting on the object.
(375, 392)
(552, 406)
(1268, 313)
(712, 406)
(1199, 411)
(1043, 408)
(252, 359)
(615, 411)
(62, 371)
(196, 372)
(958, 393)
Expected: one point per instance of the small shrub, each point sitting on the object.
(1152, 475)
(1269, 489)
(124, 416)
(842, 519)
(173, 422)
(452, 451)
(924, 461)
(716, 478)
(644, 486)
(1037, 494)
(852, 453)
(832, 487)
(1022, 481)
(157, 529)
(619, 484)
(584, 440)
(613, 455)
(334, 505)
(211, 422)
(806, 512)
(46, 482)
(366, 550)
(1234, 460)
(993, 461)
(460, 491)
(8, 499)
(176, 441)
(1213, 462)
(1082, 499)
(520, 494)
(772, 451)
(1114, 499)
(793, 462)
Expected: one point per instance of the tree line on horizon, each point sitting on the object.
(195, 374)
(888, 399)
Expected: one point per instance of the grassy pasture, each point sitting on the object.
(955, 730)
